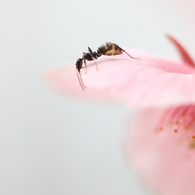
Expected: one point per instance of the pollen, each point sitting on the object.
(160, 129)
(177, 122)
(186, 127)
(192, 144)
(175, 130)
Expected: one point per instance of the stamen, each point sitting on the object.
(192, 144)
(179, 119)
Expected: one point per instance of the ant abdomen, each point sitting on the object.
(110, 49)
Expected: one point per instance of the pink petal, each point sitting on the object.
(65, 81)
(145, 82)
(184, 55)
(165, 159)
(142, 82)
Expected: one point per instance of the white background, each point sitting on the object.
(55, 145)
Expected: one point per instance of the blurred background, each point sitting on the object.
(54, 145)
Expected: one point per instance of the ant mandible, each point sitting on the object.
(107, 49)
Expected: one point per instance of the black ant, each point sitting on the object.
(108, 49)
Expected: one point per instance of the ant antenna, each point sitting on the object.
(128, 54)
(80, 80)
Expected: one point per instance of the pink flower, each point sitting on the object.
(164, 156)
(161, 141)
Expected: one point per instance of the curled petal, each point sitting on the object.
(183, 53)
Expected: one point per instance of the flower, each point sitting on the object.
(164, 158)
(161, 142)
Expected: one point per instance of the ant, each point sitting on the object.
(107, 49)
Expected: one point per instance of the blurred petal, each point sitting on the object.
(183, 53)
(164, 158)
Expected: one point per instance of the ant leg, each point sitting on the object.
(84, 62)
(128, 54)
(90, 51)
(94, 58)
(80, 80)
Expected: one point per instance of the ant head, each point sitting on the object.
(79, 64)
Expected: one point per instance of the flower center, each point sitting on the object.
(179, 119)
